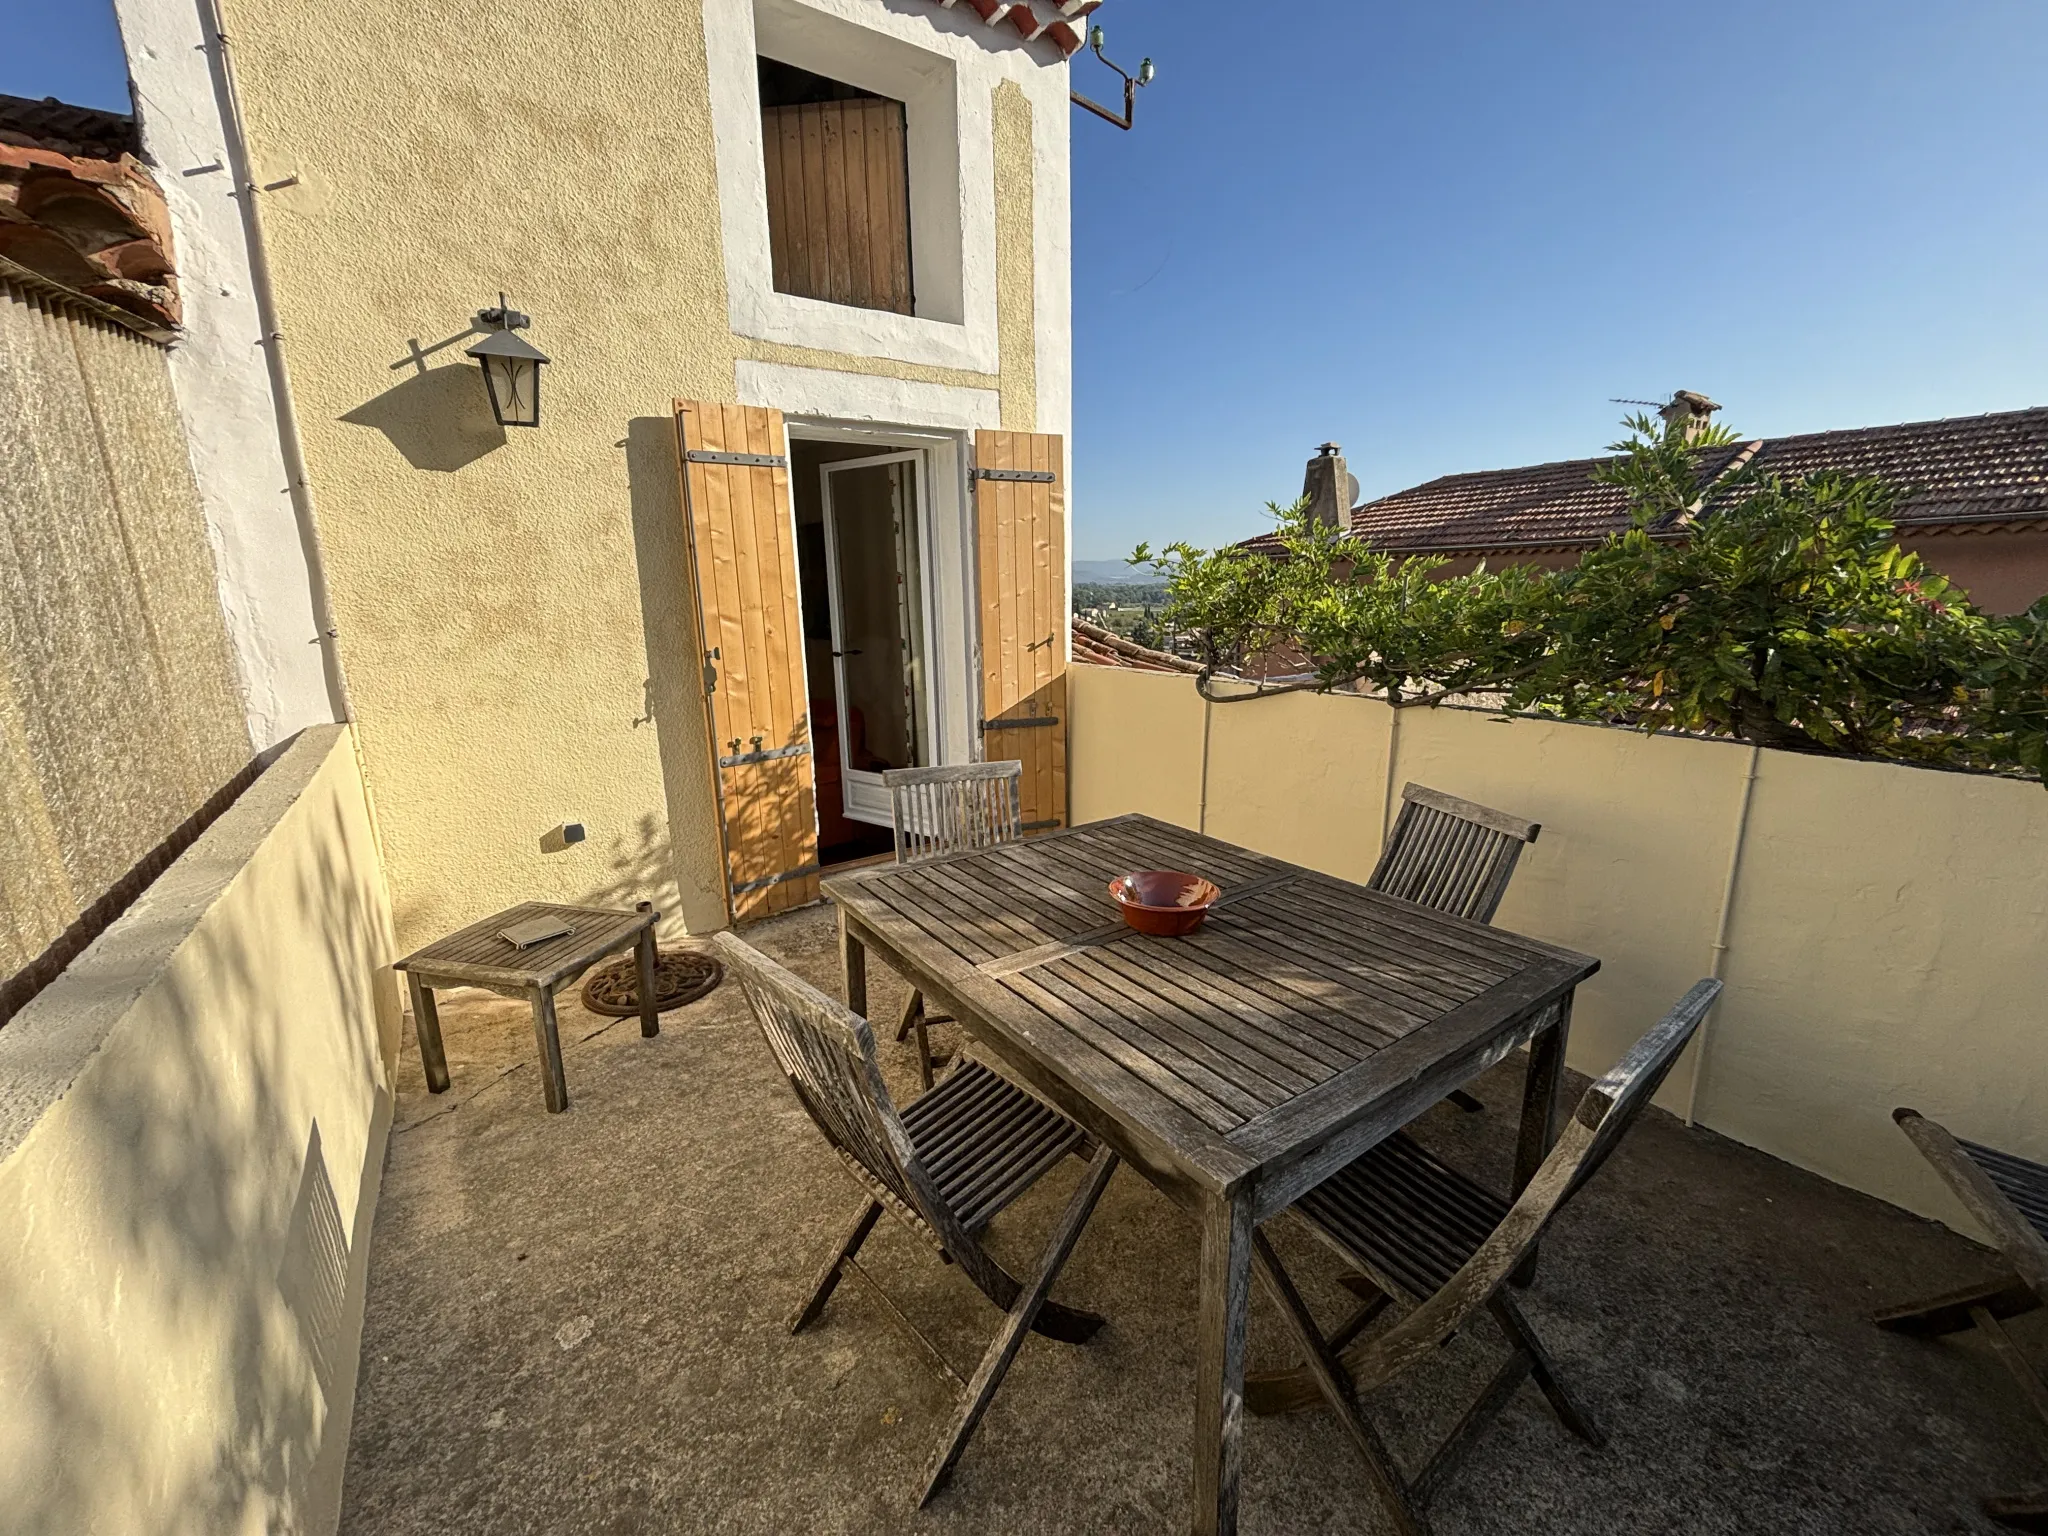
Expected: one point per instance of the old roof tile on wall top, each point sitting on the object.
(79, 209)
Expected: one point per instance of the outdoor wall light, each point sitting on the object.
(511, 366)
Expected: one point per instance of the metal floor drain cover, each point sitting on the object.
(680, 976)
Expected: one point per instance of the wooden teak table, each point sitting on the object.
(1236, 1068)
(479, 957)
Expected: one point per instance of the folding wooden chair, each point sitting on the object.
(1454, 855)
(949, 810)
(1429, 1237)
(945, 1166)
(2009, 1196)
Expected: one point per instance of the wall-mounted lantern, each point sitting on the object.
(1144, 77)
(511, 366)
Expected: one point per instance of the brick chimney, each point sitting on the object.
(1327, 487)
(1690, 410)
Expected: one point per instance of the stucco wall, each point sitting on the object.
(192, 1124)
(1885, 935)
(120, 710)
(513, 615)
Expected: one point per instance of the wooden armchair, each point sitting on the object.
(1429, 1237)
(2009, 1196)
(938, 811)
(1455, 856)
(945, 1166)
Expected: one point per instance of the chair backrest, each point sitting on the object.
(1454, 855)
(828, 1053)
(1606, 1110)
(950, 810)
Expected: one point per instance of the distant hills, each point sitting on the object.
(1116, 573)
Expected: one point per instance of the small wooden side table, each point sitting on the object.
(479, 957)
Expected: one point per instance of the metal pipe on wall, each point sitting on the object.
(1720, 953)
(228, 100)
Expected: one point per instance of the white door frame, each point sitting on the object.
(862, 794)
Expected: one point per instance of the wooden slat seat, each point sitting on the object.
(1451, 855)
(985, 1141)
(2023, 1183)
(1442, 1249)
(1418, 1221)
(2008, 1195)
(938, 811)
(943, 1165)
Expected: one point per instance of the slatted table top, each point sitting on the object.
(1301, 1003)
(477, 956)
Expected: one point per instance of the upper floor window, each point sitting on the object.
(838, 173)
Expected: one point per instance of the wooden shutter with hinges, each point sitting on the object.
(1020, 515)
(742, 550)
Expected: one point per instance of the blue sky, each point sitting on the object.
(1446, 234)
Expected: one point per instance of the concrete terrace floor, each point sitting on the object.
(575, 1324)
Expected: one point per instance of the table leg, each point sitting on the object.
(643, 958)
(1219, 1365)
(853, 956)
(549, 1038)
(426, 1023)
(1542, 1104)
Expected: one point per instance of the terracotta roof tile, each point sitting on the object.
(79, 211)
(1062, 22)
(1959, 470)
(1099, 647)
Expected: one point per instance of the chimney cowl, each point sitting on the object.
(1689, 409)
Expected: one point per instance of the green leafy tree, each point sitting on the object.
(1735, 604)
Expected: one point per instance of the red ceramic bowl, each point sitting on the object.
(1163, 901)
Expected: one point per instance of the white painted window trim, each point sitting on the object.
(946, 76)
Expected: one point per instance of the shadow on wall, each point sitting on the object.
(675, 688)
(212, 1194)
(439, 418)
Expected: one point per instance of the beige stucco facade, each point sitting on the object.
(1884, 926)
(513, 610)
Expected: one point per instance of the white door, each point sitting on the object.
(876, 528)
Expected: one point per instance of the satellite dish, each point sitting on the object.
(1353, 489)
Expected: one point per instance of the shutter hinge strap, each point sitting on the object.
(753, 460)
(1037, 476)
(741, 759)
(1021, 723)
(762, 884)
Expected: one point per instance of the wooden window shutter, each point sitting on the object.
(742, 552)
(839, 202)
(1020, 515)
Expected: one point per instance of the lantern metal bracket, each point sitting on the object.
(502, 317)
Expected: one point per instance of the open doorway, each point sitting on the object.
(862, 521)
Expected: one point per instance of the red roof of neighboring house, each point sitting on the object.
(79, 211)
(1099, 647)
(1057, 21)
(1968, 470)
